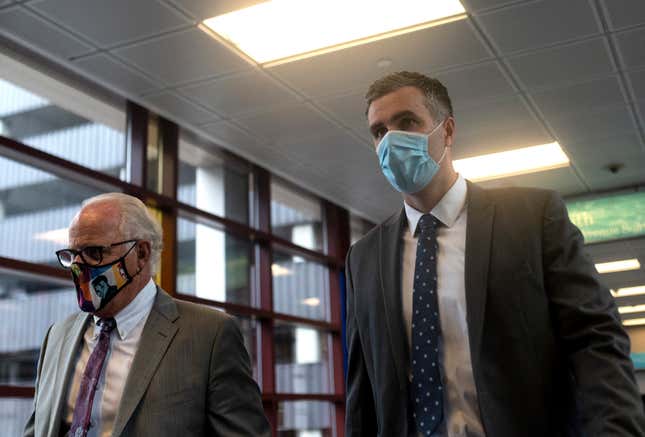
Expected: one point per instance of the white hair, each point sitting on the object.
(136, 222)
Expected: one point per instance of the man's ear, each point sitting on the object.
(449, 131)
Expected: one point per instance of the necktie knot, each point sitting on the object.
(428, 223)
(107, 325)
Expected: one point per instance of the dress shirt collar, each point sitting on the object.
(448, 208)
(130, 316)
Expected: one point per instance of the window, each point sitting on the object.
(296, 217)
(305, 419)
(35, 211)
(29, 305)
(14, 413)
(302, 359)
(300, 287)
(212, 264)
(57, 119)
(212, 183)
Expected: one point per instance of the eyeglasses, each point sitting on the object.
(91, 255)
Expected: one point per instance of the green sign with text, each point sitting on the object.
(609, 218)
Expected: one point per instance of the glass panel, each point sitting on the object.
(209, 182)
(302, 359)
(212, 264)
(296, 217)
(305, 419)
(28, 307)
(55, 128)
(300, 287)
(35, 210)
(14, 413)
(358, 227)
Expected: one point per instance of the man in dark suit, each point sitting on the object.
(475, 312)
(134, 361)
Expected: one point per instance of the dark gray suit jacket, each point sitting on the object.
(190, 376)
(550, 357)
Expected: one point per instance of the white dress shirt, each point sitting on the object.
(124, 342)
(461, 411)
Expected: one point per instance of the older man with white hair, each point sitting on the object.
(134, 361)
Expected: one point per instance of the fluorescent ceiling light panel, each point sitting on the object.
(633, 322)
(632, 309)
(618, 266)
(629, 291)
(279, 31)
(512, 162)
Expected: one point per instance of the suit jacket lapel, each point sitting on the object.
(479, 231)
(390, 251)
(65, 369)
(157, 335)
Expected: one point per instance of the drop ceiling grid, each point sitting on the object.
(320, 103)
(526, 98)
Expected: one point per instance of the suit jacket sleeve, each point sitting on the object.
(590, 331)
(30, 426)
(234, 400)
(360, 418)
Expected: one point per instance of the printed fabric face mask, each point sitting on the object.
(405, 162)
(96, 286)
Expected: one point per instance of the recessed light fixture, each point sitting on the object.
(618, 266)
(632, 309)
(311, 301)
(634, 322)
(512, 162)
(278, 270)
(629, 291)
(279, 31)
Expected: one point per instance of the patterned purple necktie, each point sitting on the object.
(83, 407)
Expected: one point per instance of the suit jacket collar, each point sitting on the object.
(390, 250)
(65, 369)
(158, 333)
(479, 234)
(479, 230)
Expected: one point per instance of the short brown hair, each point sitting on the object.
(437, 98)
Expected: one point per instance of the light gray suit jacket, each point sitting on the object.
(190, 376)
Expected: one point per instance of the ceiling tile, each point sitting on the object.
(202, 9)
(354, 69)
(180, 109)
(604, 150)
(532, 25)
(182, 57)
(632, 174)
(630, 46)
(592, 125)
(469, 85)
(349, 109)
(286, 124)
(334, 152)
(112, 22)
(495, 126)
(239, 94)
(562, 180)
(637, 80)
(229, 135)
(116, 75)
(482, 5)
(624, 13)
(25, 26)
(579, 97)
(564, 64)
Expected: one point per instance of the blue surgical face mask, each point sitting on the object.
(405, 161)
